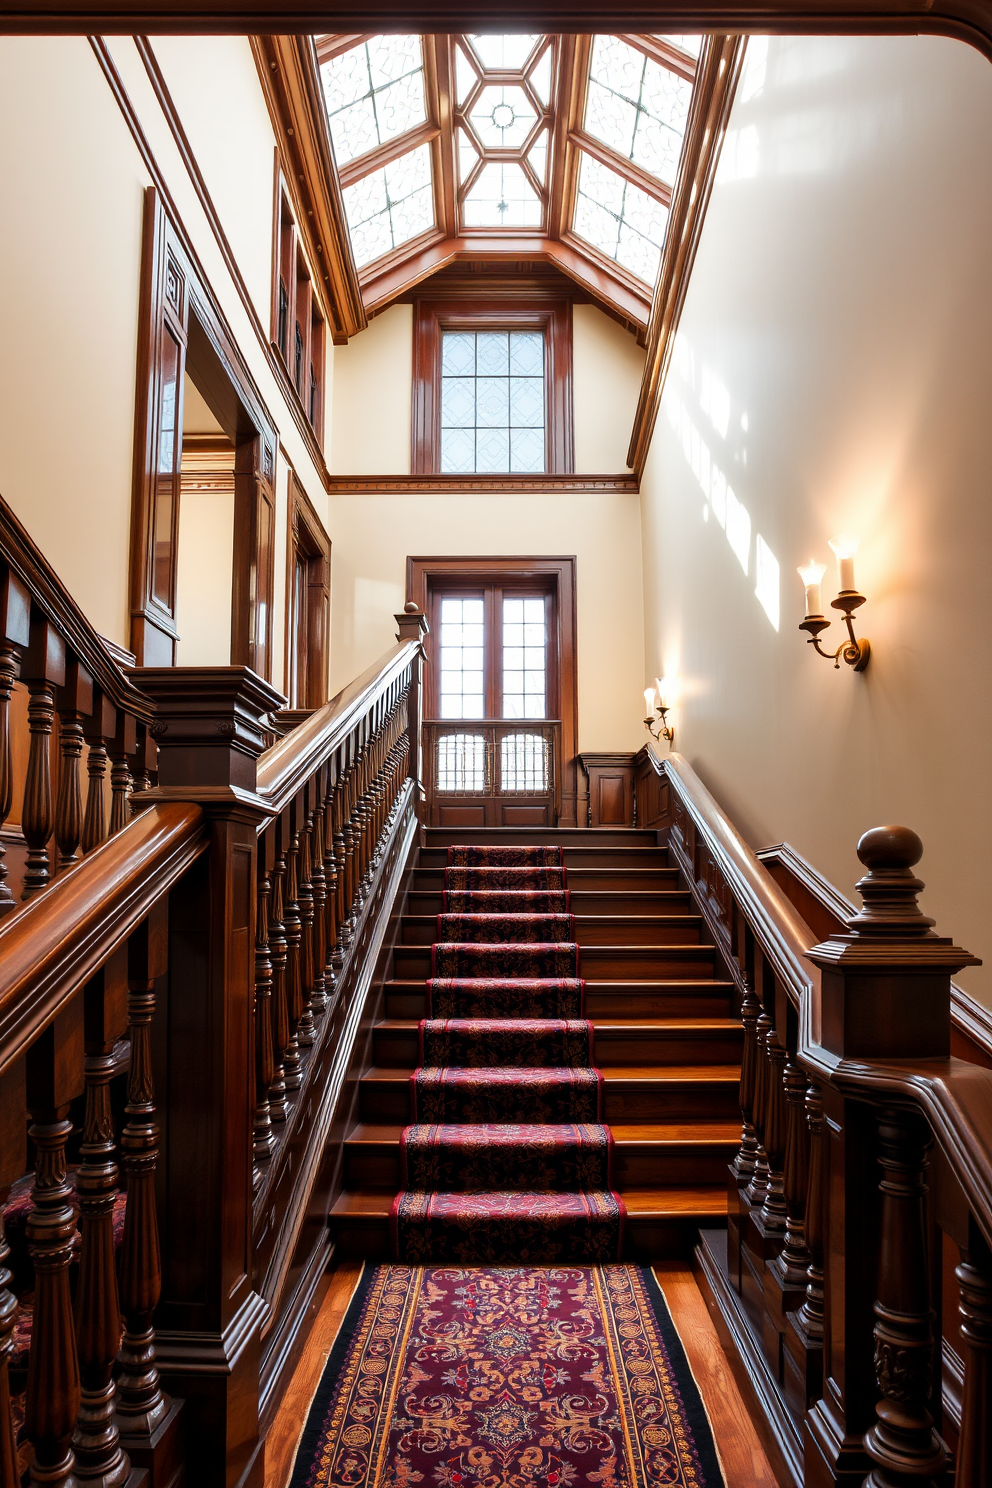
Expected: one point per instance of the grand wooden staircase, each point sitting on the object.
(666, 1038)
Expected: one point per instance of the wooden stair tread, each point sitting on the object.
(703, 984)
(642, 1203)
(651, 1074)
(601, 1025)
(633, 920)
(695, 1133)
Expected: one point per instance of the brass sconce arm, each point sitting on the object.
(855, 653)
(659, 728)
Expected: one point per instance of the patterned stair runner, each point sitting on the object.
(507, 1160)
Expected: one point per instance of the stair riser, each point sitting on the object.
(383, 1102)
(377, 1166)
(599, 963)
(585, 880)
(583, 903)
(644, 1239)
(669, 1101)
(424, 932)
(541, 837)
(600, 1004)
(576, 857)
(400, 1049)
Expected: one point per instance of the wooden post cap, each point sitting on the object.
(890, 847)
(411, 607)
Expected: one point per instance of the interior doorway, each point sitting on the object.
(500, 718)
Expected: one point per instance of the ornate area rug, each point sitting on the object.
(509, 1377)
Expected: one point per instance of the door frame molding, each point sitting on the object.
(422, 573)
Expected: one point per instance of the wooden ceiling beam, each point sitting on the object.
(666, 56)
(641, 178)
(373, 160)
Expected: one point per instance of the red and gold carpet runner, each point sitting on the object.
(507, 1160)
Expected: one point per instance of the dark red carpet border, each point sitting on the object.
(475, 1377)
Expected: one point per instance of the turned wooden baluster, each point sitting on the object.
(318, 885)
(903, 1443)
(144, 763)
(75, 703)
(340, 908)
(13, 1161)
(96, 1442)
(54, 1068)
(811, 1312)
(97, 729)
(264, 1141)
(792, 1264)
(301, 1029)
(43, 669)
(773, 1210)
(331, 875)
(123, 744)
(306, 912)
(141, 1402)
(758, 1185)
(975, 1440)
(347, 861)
(278, 1104)
(746, 1157)
(15, 633)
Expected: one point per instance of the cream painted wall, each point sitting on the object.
(203, 578)
(607, 369)
(371, 399)
(835, 368)
(373, 535)
(69, 265)
(373, 392)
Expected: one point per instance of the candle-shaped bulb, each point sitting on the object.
(661, 687)
(845, 549)
(811, 576)
(649, 703)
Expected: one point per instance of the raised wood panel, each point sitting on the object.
(610, 780)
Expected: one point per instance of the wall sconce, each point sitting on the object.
(656, 701)
(856, 653)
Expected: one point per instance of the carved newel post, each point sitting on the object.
(412, 626)
(209, 727)
(886, 994)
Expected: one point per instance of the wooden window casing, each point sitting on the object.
(308, 603)
(552, 317)
(298, 332)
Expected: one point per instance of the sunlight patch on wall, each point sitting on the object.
(766, 572)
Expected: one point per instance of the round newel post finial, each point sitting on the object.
(890, 888)
(411, 607)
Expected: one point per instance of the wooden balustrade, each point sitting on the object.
(826, 1295)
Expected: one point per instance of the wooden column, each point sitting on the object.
(412, 625)
(15, 633)
(885, 994)
(43, 669)
(278, 1104)
(903, 1444)
(210, 1316)
(100, 1459)
(975, 1440)
(264, 1138)
(54, 1079)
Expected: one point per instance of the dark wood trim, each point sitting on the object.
(720, 63)
(123, 100)
(180, 311)
(421, 573)
(417, 485)
(610, 799)
(552, 316)
(307, 539)
(644, 180)
(288, 72)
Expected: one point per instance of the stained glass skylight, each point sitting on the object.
(620, 219)
(503, 53)
(374, 93)
(502, 118)
(636, 106)
(502, 196)
(390, 206)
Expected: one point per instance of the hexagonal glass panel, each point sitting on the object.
(502, 117)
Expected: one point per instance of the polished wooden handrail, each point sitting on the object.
(23, 556)
(50, 950)
(289, 763)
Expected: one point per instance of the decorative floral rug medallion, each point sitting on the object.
(507, 1377)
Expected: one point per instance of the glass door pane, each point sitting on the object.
(525, 652)
(461, 658)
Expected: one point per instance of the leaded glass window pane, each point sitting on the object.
(620, 219)
(525, 647)
(502, 117)
(374, 93)
(504, 53)
(502, 197)
(492, 404)
(390, 206)
(462, 761)
(637, 107)
(524, 763)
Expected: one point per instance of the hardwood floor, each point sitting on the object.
(744, 1463)
(287, 1428)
